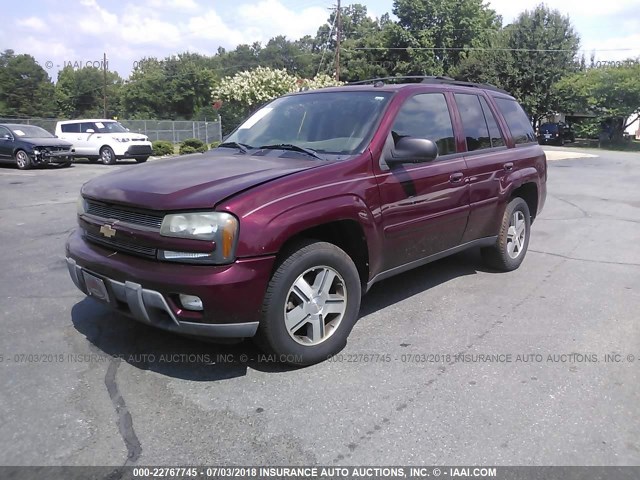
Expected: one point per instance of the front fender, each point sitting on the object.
(266, 236)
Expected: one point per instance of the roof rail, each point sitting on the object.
(379, 82)
(422, 78)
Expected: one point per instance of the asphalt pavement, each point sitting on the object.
(449, 364)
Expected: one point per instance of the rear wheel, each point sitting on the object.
(107, 156)
(142, 160)
(311, 304)
(513, 240)
(22, 160)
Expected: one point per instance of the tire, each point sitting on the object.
(107, 156)
(511, 246)
(64, 165)
(22, 160)
(93, 159)
(142, 160)
(295, 326)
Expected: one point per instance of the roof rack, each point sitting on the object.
(379, 82)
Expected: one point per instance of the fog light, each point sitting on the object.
(191, 302)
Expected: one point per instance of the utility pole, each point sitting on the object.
(104, 86)
(338, 23)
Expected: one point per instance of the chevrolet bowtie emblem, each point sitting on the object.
(107, 231)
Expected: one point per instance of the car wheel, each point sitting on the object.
(93, 159)
(142, 160)
(513, 239)
(64, 165)
(22, 160)
(311, 304)
(107, 156)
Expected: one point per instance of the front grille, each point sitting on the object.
(139, 150)
(109, 212)
(122, 246)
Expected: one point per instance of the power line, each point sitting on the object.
(499, 49)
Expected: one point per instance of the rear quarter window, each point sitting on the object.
(517, 121)
(70, 128)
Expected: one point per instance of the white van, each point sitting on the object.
(106, 140)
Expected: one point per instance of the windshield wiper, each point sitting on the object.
(292, 147)
(240, 146)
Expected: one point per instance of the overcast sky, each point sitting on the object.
(60, 32)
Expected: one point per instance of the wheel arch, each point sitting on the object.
(528, 191)
(346, 234)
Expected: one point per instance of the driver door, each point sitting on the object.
(425, 206)
(6, 145)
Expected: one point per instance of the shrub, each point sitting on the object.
(192, 145)
(162, 147)
(214, 144)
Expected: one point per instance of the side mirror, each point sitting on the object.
(412, 150)
(6, 136)
(90, 130)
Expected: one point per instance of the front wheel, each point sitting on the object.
(311, 304)
(22, 160)
(513, 240)
(142, 160)
(107, 156)
(64, 164)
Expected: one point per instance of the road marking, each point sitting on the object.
(553, 155)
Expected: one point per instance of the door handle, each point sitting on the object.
(456, 177)
(508, 166)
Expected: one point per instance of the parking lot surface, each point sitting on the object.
(449, 364)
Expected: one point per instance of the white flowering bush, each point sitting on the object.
(238, 95)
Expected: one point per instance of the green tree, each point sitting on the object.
(177, 87)
(26, 89)
(612, 94)
(363, 50)
(79, 92)
(436, 33)
(527, 58)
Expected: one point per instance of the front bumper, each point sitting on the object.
(138, 150)
(50, 157)
(147, 290)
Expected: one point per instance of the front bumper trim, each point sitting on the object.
(151, 308)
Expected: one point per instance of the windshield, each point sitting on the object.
(30, 131)
(326, 122)
(109, 127)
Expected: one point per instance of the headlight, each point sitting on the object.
(81, 205)
(123, 140)
(218, 227)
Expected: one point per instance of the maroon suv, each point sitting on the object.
(318, 195)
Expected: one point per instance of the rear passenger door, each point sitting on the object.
(488, 161)
(424, 205)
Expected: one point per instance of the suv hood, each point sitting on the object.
(192, 182)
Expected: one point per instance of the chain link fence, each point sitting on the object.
(172, 131)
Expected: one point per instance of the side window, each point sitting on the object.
(4, 131)
(427, 116)
(494, 130)
(86, 126)
(473, 122)
(70, 128)
(517, 121)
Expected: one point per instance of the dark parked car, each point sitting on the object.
(316, 197)
(555, 133)
(28, 146)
